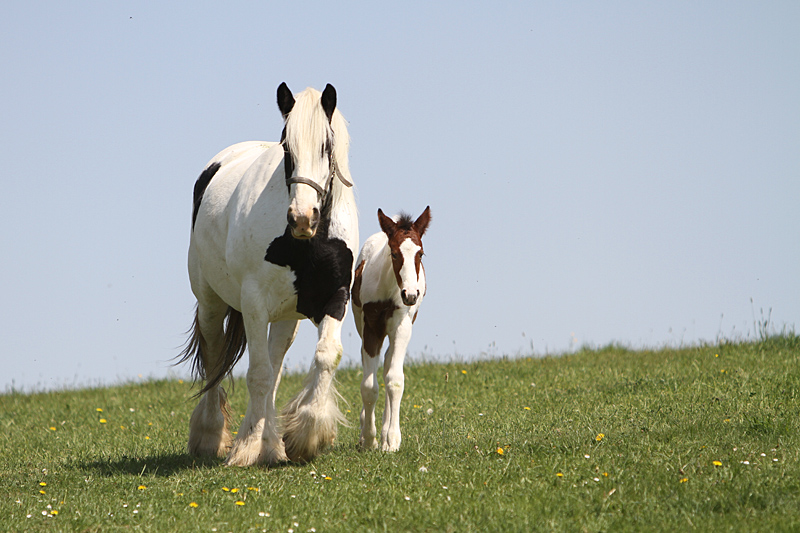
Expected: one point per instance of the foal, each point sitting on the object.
(388, 289)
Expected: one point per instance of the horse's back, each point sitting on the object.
(213, 235)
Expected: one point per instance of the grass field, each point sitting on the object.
(701, 438)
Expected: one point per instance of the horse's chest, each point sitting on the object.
(323, 272)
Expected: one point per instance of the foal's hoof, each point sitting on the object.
(365, 445)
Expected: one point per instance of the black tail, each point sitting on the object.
(196, 351)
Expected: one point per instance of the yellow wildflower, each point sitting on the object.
(717, 463)
(103, 420)
(599, 437)
(684, 480)
(141, 487)
(42, 484)
(240, 502)
(559, 474)
(193, 504)
(54, 512)
(499, 451)
(99, 410)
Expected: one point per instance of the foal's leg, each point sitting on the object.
(369, 396)
(311, 417)
(259, 441)
(394, 380)
(209, 432)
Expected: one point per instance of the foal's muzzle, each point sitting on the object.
(303, 225)
(409, 298)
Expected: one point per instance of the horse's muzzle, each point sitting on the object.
(409, 298)
(304, 226)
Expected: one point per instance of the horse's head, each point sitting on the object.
(310, 150)
(405, 247)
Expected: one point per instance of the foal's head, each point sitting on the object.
(310, 154)
(405, 247)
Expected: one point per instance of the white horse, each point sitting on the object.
(274, 233)
(388, 290)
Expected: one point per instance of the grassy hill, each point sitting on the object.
(611, 439)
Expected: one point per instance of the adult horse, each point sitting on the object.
(274, 231)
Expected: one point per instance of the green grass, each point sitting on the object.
(666, 417)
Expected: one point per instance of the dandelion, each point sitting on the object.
(103, 420)
(226, 489)
(239, 503)
(716, 463)
(599, 437)
(605, 474)
(499, 451)
(42, 492)
(234, 491)
(193, 505)
(727, 420)
(684, 480)
(54, 512)
(99, 410)
(559, 474)
(527, 408)
(463, 371)
(141, 487)
(146, 437)
(42, 484)
(52, 428)
(253, 488)
(716, 355)
(328, 478)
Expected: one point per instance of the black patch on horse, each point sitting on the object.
(200, 187)
(322, 269)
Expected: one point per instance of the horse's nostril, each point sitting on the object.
(314, 215)
(290, 218)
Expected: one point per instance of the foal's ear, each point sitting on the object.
(388, 226)
(329, 100)
(285, 100)
(421, 224)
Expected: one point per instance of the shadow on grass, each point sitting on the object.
(160, 465)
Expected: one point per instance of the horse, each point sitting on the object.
(387, 293)
(274, 233)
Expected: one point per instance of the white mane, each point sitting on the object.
(307, 128)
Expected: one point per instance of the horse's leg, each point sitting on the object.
(394, 381)
(369, 396)
(311, 417)
(258, 440)
(209, 427)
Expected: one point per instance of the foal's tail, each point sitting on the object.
(204, 366)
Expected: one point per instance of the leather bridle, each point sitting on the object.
(334, 171)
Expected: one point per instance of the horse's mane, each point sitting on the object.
(404, 222)
(307, 128)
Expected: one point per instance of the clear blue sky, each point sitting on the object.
(597, 171)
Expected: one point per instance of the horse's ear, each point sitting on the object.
(388, 226)
(329, 100)
(421, 224)
(285, 100)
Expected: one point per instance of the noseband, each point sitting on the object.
(334, 171)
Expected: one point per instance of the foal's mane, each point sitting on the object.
(307, 128)
(405, 222)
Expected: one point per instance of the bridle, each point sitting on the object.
(333, 171)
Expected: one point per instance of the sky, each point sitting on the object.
(598, 172)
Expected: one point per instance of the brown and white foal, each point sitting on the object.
(388, 289)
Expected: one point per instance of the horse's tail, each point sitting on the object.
(196, 350)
